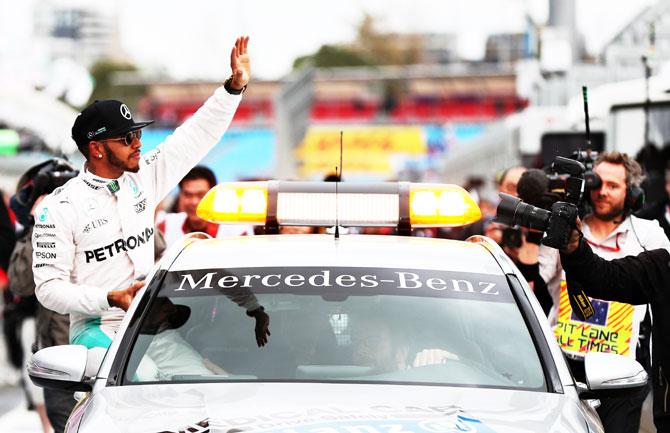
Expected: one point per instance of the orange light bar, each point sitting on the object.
(235, 203)
(441, 205)
(351, 204)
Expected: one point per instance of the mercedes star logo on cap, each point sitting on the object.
(125, 111)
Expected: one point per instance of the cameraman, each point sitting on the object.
(638, 280)
(613, 233)
(520, 244)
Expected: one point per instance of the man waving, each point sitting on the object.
(93, 237)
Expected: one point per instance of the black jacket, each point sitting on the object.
(637, 280)
(656, 211)
(7, 235)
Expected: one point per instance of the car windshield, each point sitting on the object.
(364, 325)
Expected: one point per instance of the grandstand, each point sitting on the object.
(381, 95)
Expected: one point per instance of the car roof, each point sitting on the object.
(347, 251)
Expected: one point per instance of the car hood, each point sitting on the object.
(328, 408)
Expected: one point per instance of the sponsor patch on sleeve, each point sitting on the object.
(152, 156)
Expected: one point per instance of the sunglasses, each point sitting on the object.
(129, 137)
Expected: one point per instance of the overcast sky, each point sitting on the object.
(192, 39)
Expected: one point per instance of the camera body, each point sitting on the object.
(561, 181)
(562, 219)
(557, 221)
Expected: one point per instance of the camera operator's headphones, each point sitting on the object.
(634, 199)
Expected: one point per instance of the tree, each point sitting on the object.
(387, 48)
(372, 47)
(330, 56)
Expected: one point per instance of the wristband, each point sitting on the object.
(253, 312)
(227, 85)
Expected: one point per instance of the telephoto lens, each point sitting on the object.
(512, 211)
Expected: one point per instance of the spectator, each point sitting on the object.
(192, 189)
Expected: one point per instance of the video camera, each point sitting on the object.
(557, 208)
(588, 158)
(543, 188)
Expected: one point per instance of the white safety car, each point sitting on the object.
(368, 333)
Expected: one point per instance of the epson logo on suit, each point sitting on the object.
(45, 255)
(316, 280)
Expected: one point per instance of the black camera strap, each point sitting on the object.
(580, 303)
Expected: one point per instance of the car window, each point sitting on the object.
(336, 324)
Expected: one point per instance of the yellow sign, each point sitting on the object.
(365, 149)
(609, 329)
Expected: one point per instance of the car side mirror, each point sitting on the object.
(69, 367)
(608, 375)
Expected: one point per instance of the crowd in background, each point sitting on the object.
(177, 217)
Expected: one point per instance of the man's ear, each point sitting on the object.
(95, 149)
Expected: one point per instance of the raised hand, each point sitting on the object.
(262, 328)
(575, 237)
(240, 63)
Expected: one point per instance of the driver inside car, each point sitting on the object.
(379, 345)
(375, 344)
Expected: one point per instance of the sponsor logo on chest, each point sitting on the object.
(43, 214)
(44, 235)
(94, 224)
(140, 206)
(120, 245)
(135, 189)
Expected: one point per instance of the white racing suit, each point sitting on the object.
(91, 237)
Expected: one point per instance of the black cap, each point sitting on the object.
(164, 314)
(104, 119)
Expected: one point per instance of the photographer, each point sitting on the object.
(613, 233)
(520, 244)
(638, 280)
